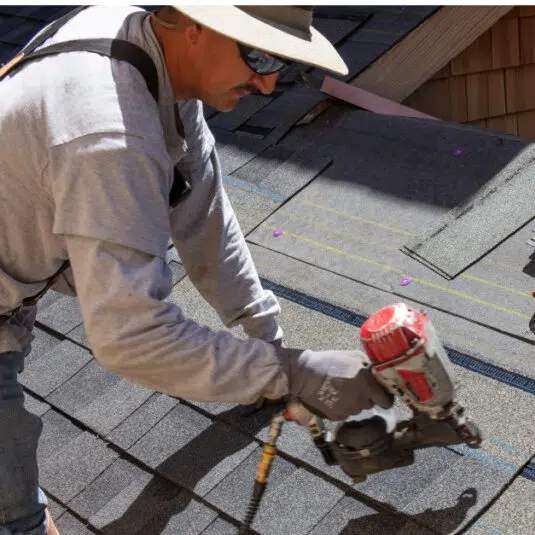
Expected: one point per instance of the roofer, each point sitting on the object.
(98, 174)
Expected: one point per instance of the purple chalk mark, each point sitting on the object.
(405, 280)
(277, 232)
(458, 152)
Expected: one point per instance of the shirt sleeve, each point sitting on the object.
(211, 245)
(135, 333)
(113, 187)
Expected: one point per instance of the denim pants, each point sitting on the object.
(22, 502)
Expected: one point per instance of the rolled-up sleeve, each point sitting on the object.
(138, 335)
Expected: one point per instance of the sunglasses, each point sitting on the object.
(261, 62)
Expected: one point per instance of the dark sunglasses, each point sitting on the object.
(261, 62)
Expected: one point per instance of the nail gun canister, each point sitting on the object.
(407, 357)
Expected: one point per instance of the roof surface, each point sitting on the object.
(348, 190)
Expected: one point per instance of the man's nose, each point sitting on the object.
(264, 84)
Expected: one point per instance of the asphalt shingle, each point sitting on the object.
(232, 494)
(351, 517)
(62, 316)
(141, 420)
(452, 499)
(46, 372)
(78, 335)
(220, 527)
(297, 506)
(83, 388)
(42, 343)
(67, 523)
(152, 506)
(35, 406)
(402, 485)
(191, 450)
(105, 487)
(67, 471)
(512, 511)
(108, 410)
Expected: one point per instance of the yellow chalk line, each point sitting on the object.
(401, 231)
(395, 270)
(357, 218)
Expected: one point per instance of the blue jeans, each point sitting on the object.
(22, 502)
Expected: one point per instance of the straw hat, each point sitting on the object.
(284, 31)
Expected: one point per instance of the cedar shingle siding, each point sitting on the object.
(489, 84)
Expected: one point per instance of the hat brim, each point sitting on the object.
(269, 37)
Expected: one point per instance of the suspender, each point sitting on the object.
(113, 48)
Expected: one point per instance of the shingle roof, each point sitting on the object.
(348, 190)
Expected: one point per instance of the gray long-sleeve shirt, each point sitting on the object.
(86, 166)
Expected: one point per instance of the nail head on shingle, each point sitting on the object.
(277, 232)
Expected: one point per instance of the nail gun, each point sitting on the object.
(409, 361)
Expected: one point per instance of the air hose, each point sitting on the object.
(264, 467)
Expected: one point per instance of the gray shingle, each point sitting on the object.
(351, 517)
(449, 501)
(204, 461)
(57, 432)
(169, 435)
(83, 388)
(70, 525)
(35, 406)
(78, 335)
(62, 316)
(151, 506)
(141, 420)
(182, 447)
(105, 487)
(512, 511)
(115, 404)
(220, 527)
(234, 150)
(41, 344)
(178, 271)
(233, 493)
(337, 29)
(48, 299)
(297, 506)
(72, 467)
(263, 165)
(46, 372)
(400, 486)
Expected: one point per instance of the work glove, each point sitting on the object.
(332, 384)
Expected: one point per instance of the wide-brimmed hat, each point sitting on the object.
(284, 31)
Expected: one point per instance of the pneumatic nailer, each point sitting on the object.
(409, 361)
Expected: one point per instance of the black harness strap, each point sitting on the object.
(113, 48)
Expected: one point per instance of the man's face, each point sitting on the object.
(221, 76)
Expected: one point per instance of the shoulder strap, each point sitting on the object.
(113, 48)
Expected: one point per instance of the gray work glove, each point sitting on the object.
(332, 384)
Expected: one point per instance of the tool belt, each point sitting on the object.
(113, 48)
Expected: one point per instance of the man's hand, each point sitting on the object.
(332, 384)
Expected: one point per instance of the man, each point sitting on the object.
(87, 164)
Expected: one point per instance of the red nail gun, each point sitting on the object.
(409, 361)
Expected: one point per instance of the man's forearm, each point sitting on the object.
(133, 333)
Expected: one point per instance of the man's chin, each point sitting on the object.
(223, 104)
